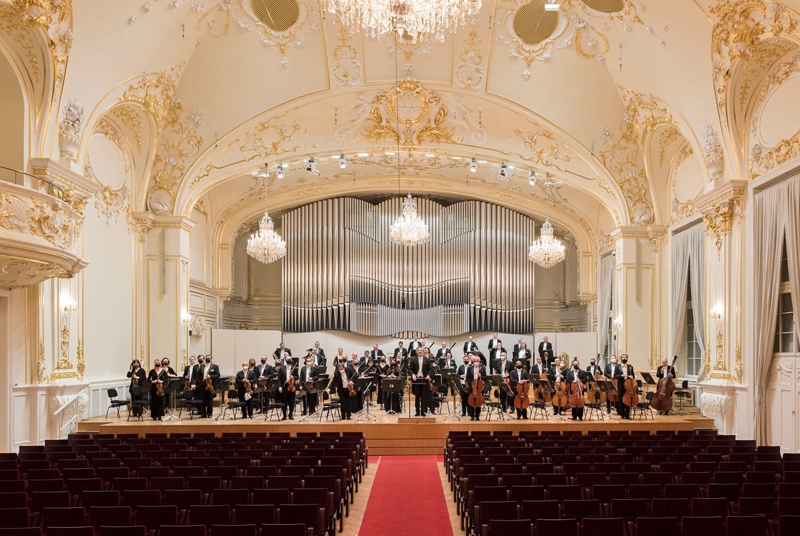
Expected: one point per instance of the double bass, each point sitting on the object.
(576, 399)
(540, 394)
(521, 400)
(593, 392)
(662, 400)
(631, 396)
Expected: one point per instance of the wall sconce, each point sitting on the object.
(716, 313)
(70, 307)
(618, 322)
(186, 318)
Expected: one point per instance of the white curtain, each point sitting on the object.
(688, 260)
(605, 290)
(776, 216)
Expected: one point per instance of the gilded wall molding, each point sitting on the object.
(41, 366)
(470, 73)
(721, 208)
(738, 369)
(346, 70)
(680, 210)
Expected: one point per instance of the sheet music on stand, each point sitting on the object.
(171, 391)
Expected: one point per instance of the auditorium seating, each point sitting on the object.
(182, 485)
(682, 483)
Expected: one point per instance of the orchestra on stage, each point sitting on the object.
(499, 384)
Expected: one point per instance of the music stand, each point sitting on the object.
(322, 369)
(307, 389)
(594, 405)
(504, 387)
(222, 385)
(269, 392)
(391, 386)
(362, 386)
(648, 378)
(172, 390)
(540, 406)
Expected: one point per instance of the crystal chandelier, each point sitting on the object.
(266, 245)
(546, 251)
(436, 18)
(409, 229)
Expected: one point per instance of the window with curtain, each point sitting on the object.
(785, 342)
(694, 359)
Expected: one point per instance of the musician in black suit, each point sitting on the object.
(664, 371)
(413, 346)
(475, 370)
(135, 388)
(210, 370)
(376, 353)
(248, 374)
(515, 350)
(280, 351)
(504, 367)
(419, 367)
(308, 374)
(470, 346)
(515, 376)
(165, 366)
(433, 371)
(558, 373)
(593, 368)
(494, 345)
(610, 372)
(342, 378)
(442, 351)
(538, 368)
(624, 371)
(319, 355)
(462, 374)
(573, 377)
(524, 355)
(403, 351)
(188, 370)
(545, 346)
(286, 372)
(157, 378)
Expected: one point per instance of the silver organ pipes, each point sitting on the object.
(342, 272)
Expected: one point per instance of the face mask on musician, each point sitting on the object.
(576, 366)
(624, 361)
(519, 366)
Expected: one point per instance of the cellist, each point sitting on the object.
(516, 376)
(576, 378)
(665, 371)
(557, 374)
(624, 371)
(475, 370)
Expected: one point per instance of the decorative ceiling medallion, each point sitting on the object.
(605, 6)
(279, 15)
(533, 34)
(533, 24)
(411, 115)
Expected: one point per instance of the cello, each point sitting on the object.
(631, 397)
(560, 398)
(576, 399)
(593, 392)
(521, 400)
(475, 399)
(540, 394)
(662, 400)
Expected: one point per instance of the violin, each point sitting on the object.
(159, 386)
(248, 387)
(475, 399)
(662, 400)
(290, 386)
(187, 385)
(560, 399)
(209, 385)
(351, 389)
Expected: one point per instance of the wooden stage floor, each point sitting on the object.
(390, 434)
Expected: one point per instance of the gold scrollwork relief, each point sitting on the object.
(63, 360)
(738, 370)
(720, 362)
(44, 218)
(718, 221)
(470, 73)
(346, 70)
(81, 363)
(41, 367)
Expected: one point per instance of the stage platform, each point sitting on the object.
(385, 435)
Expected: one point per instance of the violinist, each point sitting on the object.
(391, 401)
(624, 371)
(519, 374)
(433, 372)
(206, 370)
(157, 378)
(287, 372)
(557, 374)
(342, 378)
(188, 371)
(475, 370)
(248, 373)
(576, 378)
(665, 371)
(170, 374)
(381, 370)
(308, 374)
(136, 385)
(447, 362)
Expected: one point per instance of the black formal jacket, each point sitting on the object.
(278, 351)
(470, 377)
(670, 371)
(336, 382)
(610, 370)
(448, 363)
(308, 374)
(376, 354)
(620, 370)
(413, 367)
(470, 346)
(536, 369)
(265, 370)
(403, 351)
(515, 376)
(319, 355)
(545, 346)
(251, 375)
(571, 376)
(491, 347)
(283, 376)
(590, 371)
(213, 373)
(140, 373)
(188, 371)
(524, 355)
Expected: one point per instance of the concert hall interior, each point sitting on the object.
(403, 220)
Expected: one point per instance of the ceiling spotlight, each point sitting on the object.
(311, 167)
(342, 161)
(551, 5)
(261, 173)
(502, 174)
(281, 174)
(532, 178)
(473, 166)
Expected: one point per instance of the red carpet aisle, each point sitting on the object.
(406, 499)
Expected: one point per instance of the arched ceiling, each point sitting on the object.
(583, 96)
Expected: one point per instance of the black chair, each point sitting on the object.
(189, 402)
(116, 404)
(234, 404)
(331, 406)
(644, 407)
(140, 405)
